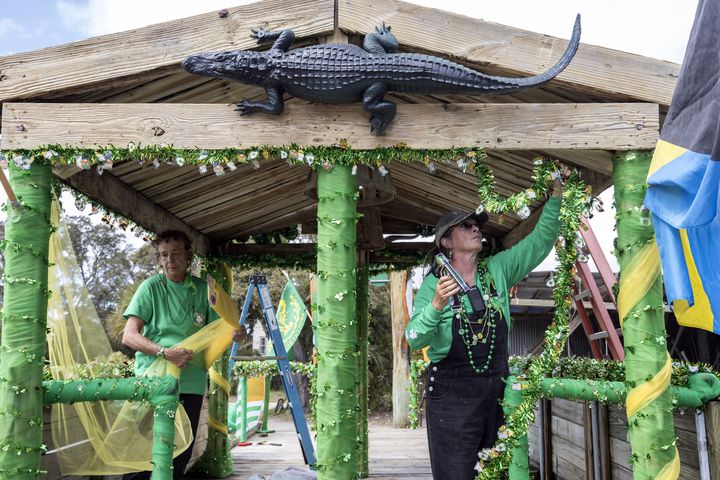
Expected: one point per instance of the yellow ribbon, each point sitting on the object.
(217, 425)
(671, 470)
(220, 381)
(637, 279)
(642, 395)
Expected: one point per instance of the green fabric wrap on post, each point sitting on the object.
(651, 431)
(362, 319)
(24, 319)
(161, 392)
(337, 394)
(216, 460)
(519, 468)
(702, 387)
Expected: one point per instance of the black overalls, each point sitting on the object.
(464, 408)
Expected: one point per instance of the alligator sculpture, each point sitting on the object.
(345, 73)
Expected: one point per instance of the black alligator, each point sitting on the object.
(345, 73)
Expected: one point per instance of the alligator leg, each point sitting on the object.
(274, 104)
(382, 111)
(380, 42)
(283, 38)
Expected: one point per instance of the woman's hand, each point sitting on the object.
(178, 356)
(445, 288)
(558, 182)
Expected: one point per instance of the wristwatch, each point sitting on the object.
(161, 352)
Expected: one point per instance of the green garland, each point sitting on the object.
(417, 370)
(580, 368)
(576, 201)
(269, 368)
(222, 160)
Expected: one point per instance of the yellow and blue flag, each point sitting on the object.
(291, 314)
(684, 179)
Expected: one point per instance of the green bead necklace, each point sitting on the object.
(487, 324)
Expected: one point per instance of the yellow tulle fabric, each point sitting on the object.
(111, 437)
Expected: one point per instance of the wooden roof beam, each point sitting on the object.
(604, 126)
(127, 57)
(119, 197)
(504, 50)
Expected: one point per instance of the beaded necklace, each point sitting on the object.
(187, 305)
(486, 325)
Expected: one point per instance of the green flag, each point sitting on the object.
(291, 314)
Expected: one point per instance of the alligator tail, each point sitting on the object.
(506, 84)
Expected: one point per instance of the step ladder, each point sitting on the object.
(591, 291)
(258, 283)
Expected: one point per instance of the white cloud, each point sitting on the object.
(8, 26)
(99, 17)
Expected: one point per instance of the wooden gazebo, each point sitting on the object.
(129, 87)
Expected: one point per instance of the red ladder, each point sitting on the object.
(592, 293)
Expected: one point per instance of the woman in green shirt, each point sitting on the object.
(469, 349)
(166, 309)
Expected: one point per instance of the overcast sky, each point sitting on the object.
(653, 28)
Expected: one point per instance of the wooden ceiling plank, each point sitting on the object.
(296, 216)
(503, 50)
(243, 197)
(121, 198)
(261, 205)
(510, 127)
(110, 58)
(263, 215)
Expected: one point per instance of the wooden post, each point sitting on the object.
(587, 429)
(401, 352)
(546, 432)
(362, 318)
(649, 404)
(24, 318)
(604, 436)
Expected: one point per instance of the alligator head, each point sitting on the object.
(241, 65)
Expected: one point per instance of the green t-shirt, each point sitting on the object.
(171, 312)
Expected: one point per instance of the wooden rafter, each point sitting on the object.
(504, 50)
(604, 126)
(117, 196)
(122, 58)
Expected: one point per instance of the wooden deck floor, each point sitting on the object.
(394, 453)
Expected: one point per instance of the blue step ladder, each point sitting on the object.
(259, 283)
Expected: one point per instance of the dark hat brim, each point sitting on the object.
(448, 221)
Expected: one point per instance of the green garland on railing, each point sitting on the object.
(269, 368)
(581, 368)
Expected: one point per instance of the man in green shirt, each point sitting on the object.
(166, 309)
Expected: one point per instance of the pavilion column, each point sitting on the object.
(216, 460)
(362, 320)
(651, 431)
(401, 351)
(337, 343)
(24, 319)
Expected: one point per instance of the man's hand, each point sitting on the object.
(178, 356)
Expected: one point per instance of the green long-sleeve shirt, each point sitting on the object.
(434, 328)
